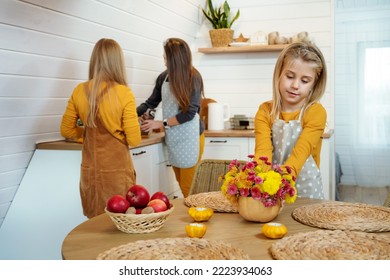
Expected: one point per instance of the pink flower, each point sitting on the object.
(244, 192)
(258, 180)
(256, 193)
(251, 156)
(269, 203)
(251, 176)
(277, 168)
(250, 165)
(232, 189)
(291, 192)
(288, 168)
(234, 163)
(264, 158)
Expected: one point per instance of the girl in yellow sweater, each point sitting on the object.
(288, 129)
(106, 107)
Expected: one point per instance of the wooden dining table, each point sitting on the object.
(99, 234)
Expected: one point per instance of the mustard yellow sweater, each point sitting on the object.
(309, 142)
(121, 122)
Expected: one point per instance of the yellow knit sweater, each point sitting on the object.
(117, 111)
(309, 142)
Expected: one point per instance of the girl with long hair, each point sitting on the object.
(106, 106)
(288, 128)
(180, 89)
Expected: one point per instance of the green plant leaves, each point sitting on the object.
(219, 16)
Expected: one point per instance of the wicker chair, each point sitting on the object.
(207, 174)
(387, 201)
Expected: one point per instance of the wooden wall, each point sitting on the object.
(45, 48)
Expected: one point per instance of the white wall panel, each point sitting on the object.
(45, 48)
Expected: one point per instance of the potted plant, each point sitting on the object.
(221, 19)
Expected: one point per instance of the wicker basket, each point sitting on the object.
(221, 37)
(139, 223)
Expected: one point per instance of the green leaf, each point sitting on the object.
(226, 9)
(219, 16)
(234, 19)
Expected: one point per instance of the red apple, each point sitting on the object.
(163, 197)
(138, 196)
(117, 204)
(158, 205)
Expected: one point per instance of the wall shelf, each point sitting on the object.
(243, 49)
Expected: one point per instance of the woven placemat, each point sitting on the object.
(214, 200)
(332, 245)
(344, 216)
(174, 249)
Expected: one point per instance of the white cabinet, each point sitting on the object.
(144, 165)
(226, 148)
(166, 180)
(154, 170)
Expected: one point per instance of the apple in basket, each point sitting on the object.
(158, 205)
(117, 204)
(138, 196)
(163, 197)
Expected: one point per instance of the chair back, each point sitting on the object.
(387, 201)
(208, 175)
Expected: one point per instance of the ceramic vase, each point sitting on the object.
(255, 211)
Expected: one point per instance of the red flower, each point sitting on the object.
(256, 193)
(232, 189)
(244, 192)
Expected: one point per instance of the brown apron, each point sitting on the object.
(106, 169)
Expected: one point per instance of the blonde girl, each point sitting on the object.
(288, 128)
(106, 106)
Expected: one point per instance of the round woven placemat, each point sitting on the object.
(332, 245)
(174, 249)
(345, 216)
(214, 200)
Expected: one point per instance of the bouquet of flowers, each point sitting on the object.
(260, 180)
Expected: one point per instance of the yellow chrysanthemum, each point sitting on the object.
(224, 189)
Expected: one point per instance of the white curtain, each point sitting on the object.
(365, 43)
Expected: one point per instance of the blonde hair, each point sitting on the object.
(308, 52)
(106, 68)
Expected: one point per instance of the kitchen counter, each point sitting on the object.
(153, 138)
(158, 137)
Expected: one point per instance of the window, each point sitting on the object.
(373, 95)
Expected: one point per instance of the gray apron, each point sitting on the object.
(284, 137)
(182, 140)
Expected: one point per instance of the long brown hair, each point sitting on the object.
(181, 72)
(308, 52)
(106, 68)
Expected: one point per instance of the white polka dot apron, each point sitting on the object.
(182, 140)
(284, 137)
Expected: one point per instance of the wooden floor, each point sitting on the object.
(369, 195)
